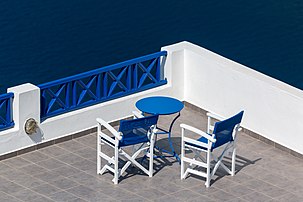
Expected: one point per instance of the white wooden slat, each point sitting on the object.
(195, 142)
(193, 161)
(195, 172)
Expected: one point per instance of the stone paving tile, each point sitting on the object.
(256, 197)
(82, 177)
(289, 198)
(150, 193)
(83, 192)
(50, 164)
(46, 189)
(201, 198)
(63, 196)
(26, 195)
(239, 190)
(202, 190)
(168, 188)
(274, 191)
(69, 158)
(63, 183)
(42, 199)
(222, 196)
(54, 151)
(33, 169)
(8, 198)
(186, 194)
(4, 168)
(134, 199)
(167, 198)
(85, 165)
(236, 200)
(71, 145)
(87, 153)
(27, 180)
(34, 156)
(16, 162)
(12, 174)
(47, 176)
(67, 172)
(10, 187)
(89, 140)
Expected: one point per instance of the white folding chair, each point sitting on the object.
(136, 132)
(223, 133)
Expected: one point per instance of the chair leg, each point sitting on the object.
(182, 155)
(208, 174)
(98, 163)
(233, 163)
(98, 152)
(116, 174)
(151, 159)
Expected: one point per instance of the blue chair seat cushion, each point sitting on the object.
(132, 137)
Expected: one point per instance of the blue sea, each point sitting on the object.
(44, 40)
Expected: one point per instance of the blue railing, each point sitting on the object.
(6, 111)
(103, 84)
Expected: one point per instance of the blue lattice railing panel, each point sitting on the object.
(103, 84)
(6, 111)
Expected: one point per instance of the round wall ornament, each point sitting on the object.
(31, 126)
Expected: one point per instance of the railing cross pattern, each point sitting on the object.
(147, 72)
(86, 89)
(100, 85)
(117, 81)
(6, 119)
(3, 121)
(55, 97)
(1, 105)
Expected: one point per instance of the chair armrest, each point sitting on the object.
(197, 131)
(137, 114)
(110, 128)
(214, 116)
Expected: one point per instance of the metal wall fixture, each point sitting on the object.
(30, 126)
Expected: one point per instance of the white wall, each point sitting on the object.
(214, 83)
(273, 109)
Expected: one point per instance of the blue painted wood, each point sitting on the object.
(100, 85)
(159, 105)
(6, 111)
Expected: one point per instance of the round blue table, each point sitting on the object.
(162, 106)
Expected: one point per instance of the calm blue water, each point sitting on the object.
(45, 40)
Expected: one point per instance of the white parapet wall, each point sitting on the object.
(26, 104)
(272, 109)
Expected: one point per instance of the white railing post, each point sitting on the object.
(26, 104)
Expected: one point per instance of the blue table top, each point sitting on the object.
(159, 105)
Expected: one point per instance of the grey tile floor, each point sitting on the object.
(67, 172)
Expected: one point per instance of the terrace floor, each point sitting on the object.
(67, 172)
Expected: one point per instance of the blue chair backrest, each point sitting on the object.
(223, 130)
(140, 123)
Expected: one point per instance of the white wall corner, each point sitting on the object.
(174, 69)
(26, 104)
